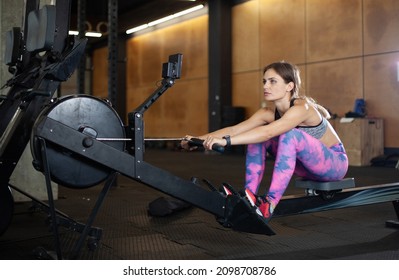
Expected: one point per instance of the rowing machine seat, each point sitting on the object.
(345, 183)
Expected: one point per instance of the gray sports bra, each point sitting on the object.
(317, 131)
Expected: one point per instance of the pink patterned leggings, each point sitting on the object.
(295, 152)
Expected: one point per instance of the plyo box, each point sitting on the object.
(363, 138)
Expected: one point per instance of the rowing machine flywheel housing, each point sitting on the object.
(86, 114)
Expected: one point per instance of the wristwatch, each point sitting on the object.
(228, 140)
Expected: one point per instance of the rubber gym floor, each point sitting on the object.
(130, 233)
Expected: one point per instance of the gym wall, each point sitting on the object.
(344, 49)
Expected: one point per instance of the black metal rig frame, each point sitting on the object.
(33, 88)
(40, 56)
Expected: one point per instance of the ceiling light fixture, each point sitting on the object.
(158, 21)
(161, 20)
(87, 34)
(93, 34)
(138, 28)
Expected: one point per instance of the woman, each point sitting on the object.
(296, 133)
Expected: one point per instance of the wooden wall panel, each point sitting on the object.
(191, 38)
(147, 52)
(248, 91)
(187, 108)
(381, 24)
(245, 37)
(333, 29)
(100, 72)
(336, 84)
(183, 107)
(381, 93)
(181, 110)
(282, 31)
(144, 60)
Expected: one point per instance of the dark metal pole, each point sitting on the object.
(113, 51)
(219, 61)
(81, 28)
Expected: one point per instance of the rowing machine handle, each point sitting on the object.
(199, 143)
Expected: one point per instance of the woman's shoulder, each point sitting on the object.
(300, 104)
(300, 101)
(303, 112)
(308, 102)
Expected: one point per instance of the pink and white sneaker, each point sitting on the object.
(263, 206)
